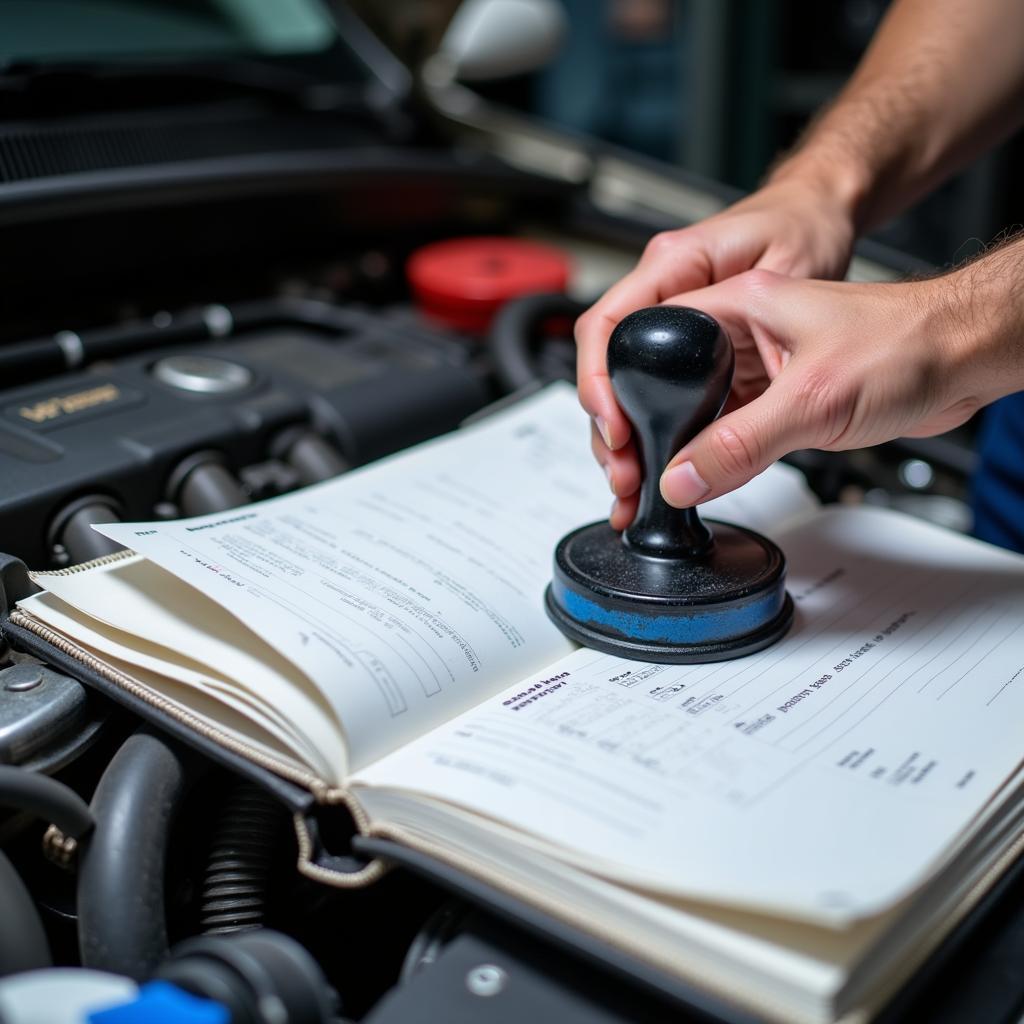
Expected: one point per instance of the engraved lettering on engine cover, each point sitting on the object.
(63, 405)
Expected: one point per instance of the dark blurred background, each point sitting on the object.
(721, 87)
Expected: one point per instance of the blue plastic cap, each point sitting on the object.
(160, 1002)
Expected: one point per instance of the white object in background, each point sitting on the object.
(61, 995)
(490, 39)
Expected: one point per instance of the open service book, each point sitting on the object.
(793, 831)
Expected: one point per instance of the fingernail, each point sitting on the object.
(683, 486)
(602, 429)
(608, 473)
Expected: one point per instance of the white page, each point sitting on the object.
(274, 700)
(819, 778)
(235, 715)
(409, 590)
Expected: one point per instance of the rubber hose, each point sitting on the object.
(46, 798)
(512, 333)
(23, 945)
(234, 894)
(260, 976)
(122, 924)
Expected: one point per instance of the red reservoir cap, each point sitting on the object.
(464, 281)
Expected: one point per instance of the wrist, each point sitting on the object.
(831, 178)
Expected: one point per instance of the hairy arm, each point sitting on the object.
(942, 81)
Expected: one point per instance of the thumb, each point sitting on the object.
(735, 448)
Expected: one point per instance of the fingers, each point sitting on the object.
(736, 303)
(621, 467)
(593, 329)
(803, 407)
(671, 263)
(623, 512)
(741, 304)
(728, 453)
(800, 409)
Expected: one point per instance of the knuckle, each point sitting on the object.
(661, 245)
(592, 330)
(586, 393)
(582, 327)
(816, 385)
(592, 379)
(736, 449)
(823, 402)
(758, 281)
(783, 258)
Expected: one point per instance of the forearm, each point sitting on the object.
(942, 81)
(985, 309)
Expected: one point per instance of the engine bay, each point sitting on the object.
(208, 303)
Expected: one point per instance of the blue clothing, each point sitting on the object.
(998, 489)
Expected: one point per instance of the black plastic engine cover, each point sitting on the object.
(117, 432)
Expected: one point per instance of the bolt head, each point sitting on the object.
(486, 980)
(22, 677)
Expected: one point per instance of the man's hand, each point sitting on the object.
(834, 365)
(919, 106)
(791, 226)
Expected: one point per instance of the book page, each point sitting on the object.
(168, 631)
(411, 589)
(820, 778)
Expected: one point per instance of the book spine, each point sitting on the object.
(96, 563)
